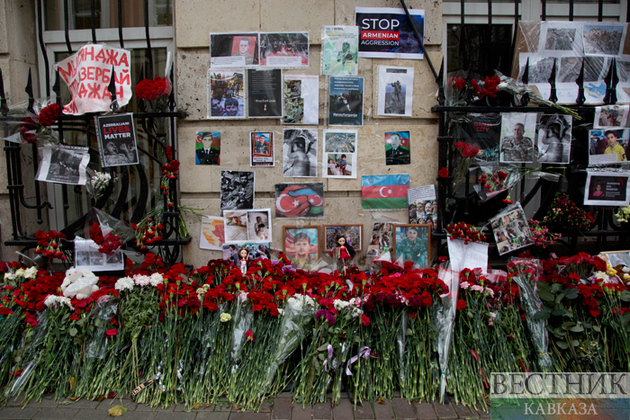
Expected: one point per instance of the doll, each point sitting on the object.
(343, 253)
(243, 256)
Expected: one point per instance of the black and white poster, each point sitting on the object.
(117, 140)
(88, 257)
(63, 165)
(299, 153)
(265, 93)
(237, 190)
(607, 188)
(395, 91)
(345, 101)
(234, 50)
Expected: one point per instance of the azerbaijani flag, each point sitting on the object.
(384, 191)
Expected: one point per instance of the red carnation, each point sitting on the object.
(461, 304)
(443, 173)
(365, 320)
(48, 115)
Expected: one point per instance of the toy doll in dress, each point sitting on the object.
(343, 253)
(243, 256)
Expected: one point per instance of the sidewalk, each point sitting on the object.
(282, 409)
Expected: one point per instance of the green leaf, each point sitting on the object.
(563, 345)
(577, 328)
(409, 332)
(559, 312)
(117, 411)
(568, 324)
(559, 298)
(73, 331)
(555, 288)
(625, 296)
(542, 315)
(575, 343)
(323, 347)
(544, 293)
(571, 293)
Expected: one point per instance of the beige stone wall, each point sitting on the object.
(200, 184)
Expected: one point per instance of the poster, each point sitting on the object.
(208, 148)
(226, 94)
(261, 150)
(554, 139)
(284, 49)
(299, 200)
(299, 153)
(88, 74)
(301, 99)
(251, 226)
(264, 93)
(511, 230)
(63, 165)
(397, 145)
(517, 132)
(237, 190)
(384, 192)
(340, 50)
(88, 257)
(234, 50)
(340, 154)
(607, 188)
(608, 146)
(386, 32)
(481, 131)
(423, 206)
(395, 91)
(212, 233)
(117, 140)
(345, 105)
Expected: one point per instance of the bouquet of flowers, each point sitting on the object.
(465, 156)
(106, 231)
(541, 235)
(34, 125)
(564, 214)
(466, 232)
(49, 244)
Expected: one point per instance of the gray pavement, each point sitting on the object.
(281, 408)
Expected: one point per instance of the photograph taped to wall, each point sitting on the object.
(517, 132)
(284, 49)
(117, 140)
(345, 106)
(397, 144)
(212, 233)
(208, 148)
(226, 94)
(261, 148)
(353, 234)
(611, 116)
(300, 200)
(339, 159)
(237, 190)
(413, 243)
(340, 50)
(302, 246)
(299, 153)
(554, 139)
(395, 91)
(248, 226)
(608, 146)
(63, 164)
(607, 188)
(234, 50)
(423, 205)
(381, 240)
(264, 93)
(301, 99)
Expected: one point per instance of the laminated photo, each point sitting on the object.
(345, 106)
(561, 38)
(608, 146)
(301, 244)
(397, 148)
(299, 200)
(301, 99)
(423, 205)
(212, 233)
(604, 39)
(554, 139)
(88, 257)
(607, 188)
(63, 165)
(299, 153)
(234, 50)
(413, 243)
(386, 32)
(511, 229)
(517, 132)
(208, 148)
(284, 49)
(395, 91)
(265, 93)
(340, 50)
(226, 94)
(339, 159)
(611, 116)
(117, 140)
(237, 190)
(261, 150)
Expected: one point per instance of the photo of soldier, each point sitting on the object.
(517, 147)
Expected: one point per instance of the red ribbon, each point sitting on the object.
(483, 375)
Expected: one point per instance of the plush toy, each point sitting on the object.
(79, 283)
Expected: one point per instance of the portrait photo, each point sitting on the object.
(299, 200)
(302, 246)
(261, 150)
(517, 134)
(237, 190)
(299, 153)
(397, 148)
(208, 148)
(413, 243)
(608, 146)
(353, 234)
(234, 50)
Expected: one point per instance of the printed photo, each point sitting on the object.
(554, 139)
(352, 233)
(561, 38)
(284, 49)
(63, 165)
(611, 116)
(340, 154)
(395, 91)
(88, 257)
(381, 240)
(511, 230)
(603, 38)
(397, 148)
(256, 251)
(235, 226)
(261, 148)
(237, 190)
(423, 205)
(608, 146)
(301, 100)
(208, 148)
(301, 246)
(259, 225)
(299, 153)
(517, 132)
(607, 188)
(226, 95)
(340, 50)
(212, 233)
(234, 50)
(413, 243)
(299, 200)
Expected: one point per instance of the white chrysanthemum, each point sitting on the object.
(53, 301)
(225, 317)
(9, 276)
(156, 279)
(340, 304)
(125, 283)
(30, 273)
(19, 272)
(142, 280)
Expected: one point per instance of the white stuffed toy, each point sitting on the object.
(79, 283)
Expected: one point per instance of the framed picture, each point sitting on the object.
(353, 234)
(302, 245)
(413, 243)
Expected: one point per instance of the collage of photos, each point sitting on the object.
(423, 206)
(261, 148)
(208, 148)
(340, 154)
(381, 241)
(299, 153)
(256, 251)
(247, 226)
(511, 230)
(299, 200)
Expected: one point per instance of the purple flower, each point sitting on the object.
(327, 315)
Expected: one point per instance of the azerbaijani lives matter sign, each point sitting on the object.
(385, 32)
(88, 73)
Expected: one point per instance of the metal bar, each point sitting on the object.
(489, 12)
(149, 55)
(120, 25)
(42, 46)
(571, 7)
(600, 10)
(4, 108)
(29, 92)
(544, 10)
(66, 28)
(420, 40)
(93, 19)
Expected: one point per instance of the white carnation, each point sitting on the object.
(20, 272)
(142, 280)
(9, 276)
(53, 301)
(30, 273)
(156, 279)
(125, 283)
